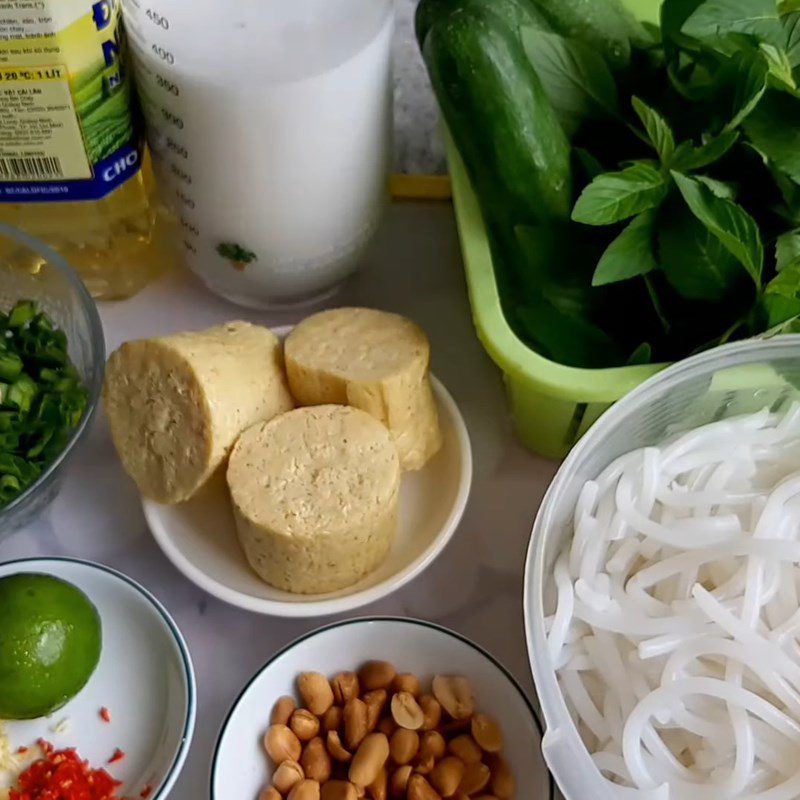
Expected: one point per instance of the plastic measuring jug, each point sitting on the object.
(270, 127)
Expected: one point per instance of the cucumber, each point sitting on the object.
(605, 25)
(499, 116)
(516, 13)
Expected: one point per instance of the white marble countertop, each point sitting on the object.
(474, 587)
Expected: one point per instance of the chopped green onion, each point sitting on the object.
(23, 312)
(42, 398)
(10, 366)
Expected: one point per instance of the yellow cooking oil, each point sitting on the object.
(74, 170)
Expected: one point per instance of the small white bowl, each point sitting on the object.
(199, 536)
(144, 678)
(240, 767)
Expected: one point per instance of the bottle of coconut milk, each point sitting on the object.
(270, 128)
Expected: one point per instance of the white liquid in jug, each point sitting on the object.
(274, 156)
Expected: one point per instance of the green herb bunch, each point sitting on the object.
(692, 157)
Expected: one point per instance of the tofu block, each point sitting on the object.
(372, 360)
(315, 494)
(177, 404)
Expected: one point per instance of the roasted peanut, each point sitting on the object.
(425, 765)
(316, 692)
(387, 726)
(269, 793)
(282, 711)
(345, 687)
(376, 675)
(476, 778)
(338, 790)
(420, 789)
(356, 726)
(286, 776)
(503, 783)
(486, 732)
(281, 744)
(403, 746)
(406, 682)
(432, 710)
(304, 725)
(305, 790)
(466, 749)
(446, 776)
(369, 759)
(399, 781)
(432, 744)
(336, 748)
(378, 788)
(376, 702)
(454, 693)
(406, 711)
(316, 761)
(332, 719)
(456, 727)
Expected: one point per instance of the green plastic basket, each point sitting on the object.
(552, 405)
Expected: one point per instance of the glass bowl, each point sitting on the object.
(31, 270)
(735, 379)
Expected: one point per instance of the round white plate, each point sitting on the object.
(199, 536)
(145, 679)
(240, 767)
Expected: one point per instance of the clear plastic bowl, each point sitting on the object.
(31, 270)
(735, 379)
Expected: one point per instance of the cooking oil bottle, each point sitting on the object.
(73, 167)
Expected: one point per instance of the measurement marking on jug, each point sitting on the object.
(180, 174)
(186, 200)
(167, 86)
(157, 19)
(192, 229)
(177, 148)
(173, 119)
(190, 247)
(163, 54)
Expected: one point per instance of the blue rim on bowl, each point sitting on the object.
(162, 791)
(94, 381)
(357, 621)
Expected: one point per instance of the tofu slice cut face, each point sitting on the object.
(372, 360)
(177, 404)
(315, 495)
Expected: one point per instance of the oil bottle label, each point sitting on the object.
(69, 126)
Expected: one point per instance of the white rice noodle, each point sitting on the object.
(676, 626)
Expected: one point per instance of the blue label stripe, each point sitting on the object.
(109, 173)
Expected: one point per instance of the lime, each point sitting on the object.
(50, 639)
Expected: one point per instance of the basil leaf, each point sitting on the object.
(787, 248)
(781, 298)
(575, 77)
(674, 14)
(716, 19)
(730, 223)
(615, 196)
(643, 354)
(748, 74)
(694, 261)
(687, 157)
(779, 69)
(719, 188)
(658, 131)
(774, 128)
(630, 254)
(791, 31)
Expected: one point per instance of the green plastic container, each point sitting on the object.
(552, 405)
